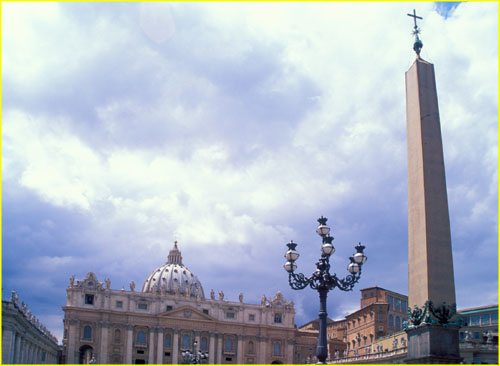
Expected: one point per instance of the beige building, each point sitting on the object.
(155, 325)
(382, 313)
(24, 339)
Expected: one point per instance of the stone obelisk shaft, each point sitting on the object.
(430, 262)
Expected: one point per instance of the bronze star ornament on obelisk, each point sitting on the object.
(431, 329)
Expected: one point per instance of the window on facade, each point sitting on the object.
(204, 344)
(141, 337)
(381, 316)
(205, 311)
(277, 349)
(168, 341)
(43, 355)
(169, 307)
(87, 332)
(397, 304)
(119, 304)
(228, 345)
(277, 318)
(186, 341)
(251, 317)
(140, 351)
(230, 315)
(117, 336)
(390, 301)
(391, 321)
(89, 299)
(397, 322)
(404, 306)
(494, 317)
(474, 320)
(142, 306)
(485, 319)
(250, 347)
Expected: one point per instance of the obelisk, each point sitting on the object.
(432, 338)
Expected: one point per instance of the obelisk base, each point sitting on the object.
(433, 344)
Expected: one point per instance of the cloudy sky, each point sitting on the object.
(232, 128)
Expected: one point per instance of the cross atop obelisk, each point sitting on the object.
(417, 46)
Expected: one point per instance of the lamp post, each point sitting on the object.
(195, 357)
(322, 280)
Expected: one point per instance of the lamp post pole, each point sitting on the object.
(321, 280)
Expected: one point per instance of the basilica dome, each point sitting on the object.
(173, 277)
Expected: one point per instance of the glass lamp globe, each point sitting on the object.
(322, 230)
(359, 258)
(292, 255)
(353, 268)
(327, 249)
(290, 267)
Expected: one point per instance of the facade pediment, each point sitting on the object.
(186, 312)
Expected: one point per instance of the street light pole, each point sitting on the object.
(321, 280)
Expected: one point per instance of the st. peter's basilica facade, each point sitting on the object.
(171, 315)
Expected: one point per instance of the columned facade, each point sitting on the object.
(24, 339)
(166, 318)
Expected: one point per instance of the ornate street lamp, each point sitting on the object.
(195, 357)
(322, 280)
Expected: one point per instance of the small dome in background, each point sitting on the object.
(173, 276)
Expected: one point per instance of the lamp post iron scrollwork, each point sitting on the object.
(321, 280)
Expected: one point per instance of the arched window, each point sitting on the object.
(229, 345)
(391, 321)
(87, 332)
(277, 349)
(250, 347)
(168, 341)
(117, 335)
(141, 337)
(186, 341)
(398, 322)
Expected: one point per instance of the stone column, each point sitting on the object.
(198, 340)
(175, 347)
(239, 351)
(262, 350)
(159, 354)
(72, 338)
(8, 345)
(151, 345)
(103, 357)
(130, 344)
(290, 351)
(220, 339)
(211, 349)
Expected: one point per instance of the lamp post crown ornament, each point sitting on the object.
(417, 45)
